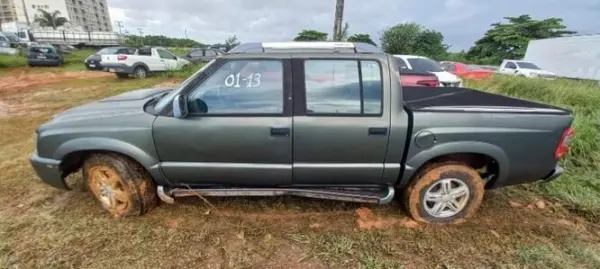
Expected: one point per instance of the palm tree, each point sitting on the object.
(47, 19)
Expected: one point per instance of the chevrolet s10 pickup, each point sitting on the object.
(313, 119)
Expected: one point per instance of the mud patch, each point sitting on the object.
(367, 220)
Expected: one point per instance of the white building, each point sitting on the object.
(89, 15)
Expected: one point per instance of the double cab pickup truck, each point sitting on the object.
(313, 119)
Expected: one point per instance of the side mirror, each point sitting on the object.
(180, 109)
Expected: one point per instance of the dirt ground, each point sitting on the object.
(41, 227)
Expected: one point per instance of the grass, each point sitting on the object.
(580, 187)
(42, 227)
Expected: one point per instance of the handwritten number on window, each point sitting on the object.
(235, 81)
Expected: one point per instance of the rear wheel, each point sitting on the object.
(140, 72)
(122, 186)
(445, 193)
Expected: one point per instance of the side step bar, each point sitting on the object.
(382, 196)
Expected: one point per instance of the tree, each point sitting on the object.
(47, 19)
(364, 38)
(311, 35)
(413, 38)
(510, 40)
(161, 40)
(231, 42)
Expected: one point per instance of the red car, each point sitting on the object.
(467, 71)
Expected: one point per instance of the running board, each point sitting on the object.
(382, 196)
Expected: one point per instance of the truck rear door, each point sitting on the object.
(340, 124)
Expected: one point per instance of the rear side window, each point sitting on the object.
(343, 87)
(196, 53)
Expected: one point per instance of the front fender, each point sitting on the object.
(148, 161)
(418, 160)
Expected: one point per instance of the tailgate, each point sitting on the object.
(109, 58)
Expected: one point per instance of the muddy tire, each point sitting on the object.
(122, 186)
(444, 193)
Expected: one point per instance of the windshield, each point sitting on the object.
(165, 100)
(105, 51)
(424, 65)
(527, 65)
(11, 37)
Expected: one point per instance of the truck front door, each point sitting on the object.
(168, 60)
(341, 123)
(238, 131)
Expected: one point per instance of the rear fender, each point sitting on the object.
(417, 161)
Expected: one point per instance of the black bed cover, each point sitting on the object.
(418, 98)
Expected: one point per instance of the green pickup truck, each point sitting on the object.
(313, 119)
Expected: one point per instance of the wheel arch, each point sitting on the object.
(73, 153)
(465, 151)
(138, 64)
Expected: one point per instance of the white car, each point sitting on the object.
(424, 64)
(525, 69)
(146, 60)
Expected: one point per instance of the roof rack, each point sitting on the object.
(305, 46)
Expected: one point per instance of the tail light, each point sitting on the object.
(564, 143)
(122, 57)
(428, 83)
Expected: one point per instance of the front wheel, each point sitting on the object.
(444, 193)
(122, 186)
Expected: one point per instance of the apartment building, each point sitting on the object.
(88, 15)
(7, 11)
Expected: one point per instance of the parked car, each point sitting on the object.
(254, 122)
(5, 48)
(418, 79)
(424, 64)
(147, 60)
(93, 62)
(44, 55)
(467, 71)
(524, 69)
(202, 55)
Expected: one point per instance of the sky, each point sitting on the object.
(461, 22)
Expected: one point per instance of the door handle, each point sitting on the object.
(280, 131)
(378, 131)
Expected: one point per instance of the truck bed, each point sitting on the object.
(455, 98)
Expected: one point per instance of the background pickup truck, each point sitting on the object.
(140, 64)
(313, 119)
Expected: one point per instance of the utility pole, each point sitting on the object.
(339, 17)
(141, 35)
(25, 12)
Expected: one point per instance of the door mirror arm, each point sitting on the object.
(180, 108)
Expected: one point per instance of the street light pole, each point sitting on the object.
(25, 12)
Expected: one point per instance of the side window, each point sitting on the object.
(511, 65)
(165, 54)
(334, 87)
(401, 64)
(3, 38)
(448, 67)
(240, 87)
